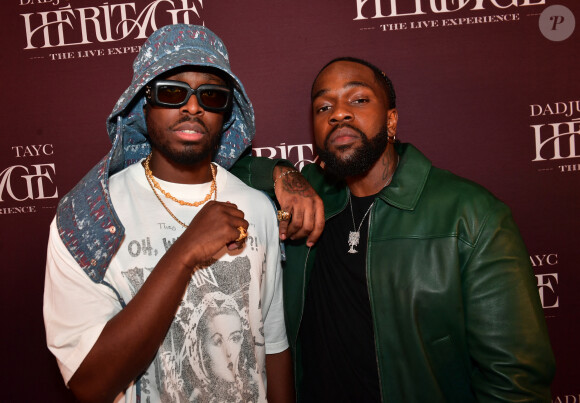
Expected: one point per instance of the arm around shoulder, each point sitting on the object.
(257, 172)
(292, 191)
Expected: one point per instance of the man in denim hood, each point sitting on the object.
(168, 48)
(149, 294)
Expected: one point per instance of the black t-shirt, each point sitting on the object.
(338, 350)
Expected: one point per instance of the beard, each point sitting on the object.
(188, 153)
(361, 160)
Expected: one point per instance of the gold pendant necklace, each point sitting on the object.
(154, 184)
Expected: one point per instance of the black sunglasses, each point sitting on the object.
(175, 94)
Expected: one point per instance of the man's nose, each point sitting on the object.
(192, 106)
(341, 113)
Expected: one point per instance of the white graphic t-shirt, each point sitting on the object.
(230, 316)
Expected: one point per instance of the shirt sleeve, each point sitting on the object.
(273, 307)
(75, 308)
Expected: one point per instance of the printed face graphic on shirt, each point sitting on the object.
(224, 361)
(209, 339)
(222, 337)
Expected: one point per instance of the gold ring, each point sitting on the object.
(283, 215)
(243, 234)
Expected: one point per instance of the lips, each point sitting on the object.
(343, 136)
(190, 131)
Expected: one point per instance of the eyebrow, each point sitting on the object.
(207, 76)
(350, 84)
(214, 77)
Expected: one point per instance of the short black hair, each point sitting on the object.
(380, 76)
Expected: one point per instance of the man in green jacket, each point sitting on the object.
(420, 288)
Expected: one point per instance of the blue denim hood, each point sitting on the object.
(168, 48)
(86, 219)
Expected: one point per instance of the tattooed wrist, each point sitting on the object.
(296, 184)
(283, 174)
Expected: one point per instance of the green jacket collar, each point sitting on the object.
(409, 179)
(404, 191)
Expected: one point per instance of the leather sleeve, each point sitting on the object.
(257, 172)
(506, 330)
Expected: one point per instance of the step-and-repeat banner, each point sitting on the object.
(488, 89)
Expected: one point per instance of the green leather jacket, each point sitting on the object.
(457, 315)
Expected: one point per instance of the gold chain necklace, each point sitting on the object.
(154, 184)
(151, 179)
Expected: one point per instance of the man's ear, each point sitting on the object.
(392, 119)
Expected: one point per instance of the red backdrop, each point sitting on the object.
(486, 88)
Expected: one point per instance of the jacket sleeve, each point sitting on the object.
(257, 172)
(506, 330)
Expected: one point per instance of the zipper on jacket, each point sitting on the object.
(371, 305)
(303, 296)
